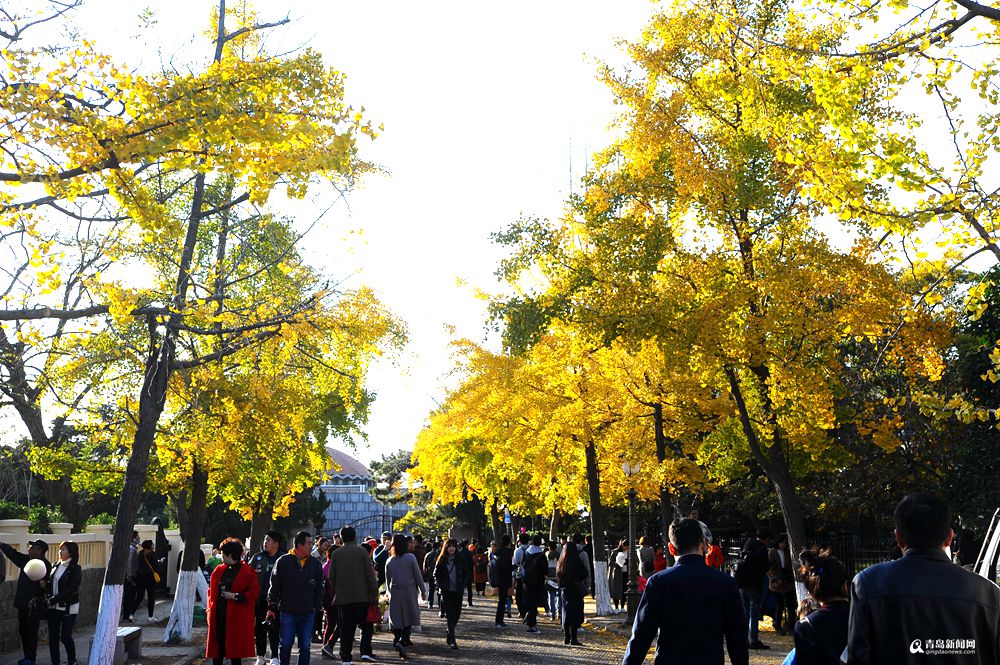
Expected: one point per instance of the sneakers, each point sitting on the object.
(399, 649)
(326, 651)
(757, 645)
(532, 629)
(275, 661)
(261, 660)
(500, 625)
(369, 658)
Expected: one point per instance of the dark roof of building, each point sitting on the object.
(348, 466)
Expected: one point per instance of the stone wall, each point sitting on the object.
(90, 596)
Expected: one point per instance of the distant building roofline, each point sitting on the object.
(349, 467)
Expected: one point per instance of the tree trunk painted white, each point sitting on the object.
(603, 593)
(181, 622)
(109, 611)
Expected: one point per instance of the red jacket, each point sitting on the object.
(239, 615)
(714, 558)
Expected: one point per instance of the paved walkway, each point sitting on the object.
(479, 642)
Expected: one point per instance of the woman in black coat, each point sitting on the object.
(64, 601)
(451, 574)
(571, 573)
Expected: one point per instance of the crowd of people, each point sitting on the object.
(262, 605)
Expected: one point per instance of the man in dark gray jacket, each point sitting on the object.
(923, 608)
(297, 593)
(355, 589)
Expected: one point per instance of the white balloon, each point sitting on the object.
(35, 570)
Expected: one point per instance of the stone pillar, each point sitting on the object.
(176, 545)
(61, 529)
(102, 532)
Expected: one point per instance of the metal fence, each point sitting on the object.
(855, 552)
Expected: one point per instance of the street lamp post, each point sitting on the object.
(632, 589)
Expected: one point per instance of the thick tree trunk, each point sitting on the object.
(600, 580)
(260, 523)
(666, 510)
(151, 402)
(180, 624)
(554, 524)
(495, 522)
(775, 466)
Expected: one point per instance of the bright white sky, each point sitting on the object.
(485, 107)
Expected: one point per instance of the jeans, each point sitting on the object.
(351, 616)
(501, 603)
(555, 602)
(452, 603)
(61, 629)
(27, 630)
(296, 626)
(751, 609)
(264, 633)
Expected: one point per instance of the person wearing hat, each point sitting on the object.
(27, 589)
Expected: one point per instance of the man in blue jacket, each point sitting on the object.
(692, 607)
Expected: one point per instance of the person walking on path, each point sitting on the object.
(131, 570)
(588, 584)
(552, 582)
(503, 577)
(403, 580)
(535, 566)
(381, 556)
(518, 562)
(64, 601)
(896, 607)
(588, 549)
(572, 574)
(146, 576)
(750, 572)
(821, 636)
(617, 563)
(690, 607)
(430, 564)
(714, 557)
(781, 583)
(480, 560)
(331, 629)
(450, 574)
(28, 616)
(265, 630)
(646, 555)
(297, 593)
(466, 550)
(232, 595)
(355, 590)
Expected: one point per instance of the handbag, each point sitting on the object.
(373, 616)
(38, 607)
(156, 575)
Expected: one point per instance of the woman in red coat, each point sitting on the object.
(232, 593)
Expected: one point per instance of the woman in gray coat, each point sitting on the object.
(403, 579)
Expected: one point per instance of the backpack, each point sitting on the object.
(493, 572)
(519, 572)
(535, 567)
(744, 571)
(481, 565)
